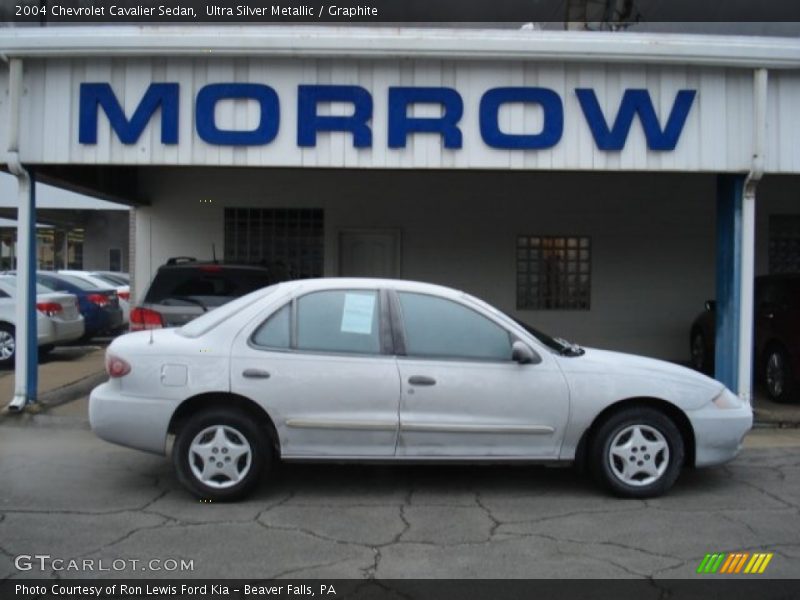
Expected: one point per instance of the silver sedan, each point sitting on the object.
(398, 371)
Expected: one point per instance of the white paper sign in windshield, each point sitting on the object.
(358, 312)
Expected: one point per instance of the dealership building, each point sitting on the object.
(598, 186)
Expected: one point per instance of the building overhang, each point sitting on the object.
(385, 42)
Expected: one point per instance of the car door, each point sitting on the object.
(462, 396)
(322, 367)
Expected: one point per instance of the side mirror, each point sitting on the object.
(523, 354)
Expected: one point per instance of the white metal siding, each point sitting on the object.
(717, 136)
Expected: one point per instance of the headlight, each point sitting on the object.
(727, 399)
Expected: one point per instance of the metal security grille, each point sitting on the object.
(784, 244)
(286, 239)
(553, 273)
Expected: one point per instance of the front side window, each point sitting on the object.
(436, 327)
(339, 321)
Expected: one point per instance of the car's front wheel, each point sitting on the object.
(778, 378)
(219, 454)
(637, 453)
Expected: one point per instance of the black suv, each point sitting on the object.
(184, 289)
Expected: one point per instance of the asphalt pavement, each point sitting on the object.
(69, 495)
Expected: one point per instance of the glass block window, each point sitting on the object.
(784, 244)
(288, 240)
(554, 272)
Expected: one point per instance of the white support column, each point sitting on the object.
(745, 378)
(25, 357)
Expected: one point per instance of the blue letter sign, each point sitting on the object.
(635, 102)
(269, 118)
(95, 95)
(309, 122)
(400, 124)
(553, 118)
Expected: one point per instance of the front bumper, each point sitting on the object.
(131, 421)
(719, 433)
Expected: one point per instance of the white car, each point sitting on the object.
(58, 320)
(398, 371)
(98, 279)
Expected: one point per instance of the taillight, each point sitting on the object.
(124, 296)
(98, 299)
(116, 367)
(49, 308)
(144, 318)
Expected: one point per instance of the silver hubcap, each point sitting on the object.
(7, 345)
(638, 455)
(220, 456)
(775, 374)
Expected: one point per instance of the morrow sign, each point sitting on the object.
(608, 134)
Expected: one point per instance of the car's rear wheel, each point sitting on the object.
(219, 454)
(637, 453)
(8, 344)
(778, 377)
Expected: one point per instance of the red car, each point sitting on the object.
(776, 336)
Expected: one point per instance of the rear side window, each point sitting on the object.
(339, 321)
(275, 332)
(195, 282)
(437, 327)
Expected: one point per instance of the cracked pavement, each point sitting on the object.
(70, 495)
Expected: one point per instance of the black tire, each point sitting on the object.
(779, 381)
(8, 336)
(654, 427)
(234, 424)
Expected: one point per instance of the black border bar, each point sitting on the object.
(615, 12)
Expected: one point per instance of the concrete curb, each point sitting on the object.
(52, 398)
(72, 391)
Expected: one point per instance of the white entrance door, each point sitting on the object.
(369, 253)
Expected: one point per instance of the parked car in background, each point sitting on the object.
(99, 306)
(117, 277)
(398, 371)
(58, 320)
(102, 281)
(184, 289)
(776, 336)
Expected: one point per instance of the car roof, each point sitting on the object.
(338, 283)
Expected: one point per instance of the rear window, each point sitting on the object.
(78, 282)
(213, 286)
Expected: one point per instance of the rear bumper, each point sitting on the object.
(719, 433)
(67, 331)
(135, 422)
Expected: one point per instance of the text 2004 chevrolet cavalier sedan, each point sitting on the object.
(367, 369)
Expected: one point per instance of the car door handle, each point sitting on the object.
(255, 374)
(421, 380)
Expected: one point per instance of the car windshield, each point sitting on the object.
(211, 319)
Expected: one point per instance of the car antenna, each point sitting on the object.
(214, 252)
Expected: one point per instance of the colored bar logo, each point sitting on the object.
(735, 563)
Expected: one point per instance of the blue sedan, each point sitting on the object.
(99, 306)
